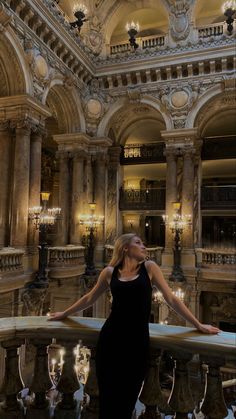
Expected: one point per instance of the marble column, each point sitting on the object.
(77, 196)
(171, 190)
(187, 195)
(5, 149)
(112, 201)
(89, 180)
(100, 186)
(20, 192)
(64, 203)
(100, 183)
(35, 180)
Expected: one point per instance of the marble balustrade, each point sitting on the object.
(182, 344)
(11, 260)
(215, 257)
(153, 253)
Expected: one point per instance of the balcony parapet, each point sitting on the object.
(218, 197)
(135, 199)
(181, 342)
(216, 258)
(58, 38)
(143, 153)
(153, 253)
(66, 261)
(11, 261)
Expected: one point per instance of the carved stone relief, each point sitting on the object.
(180, 15)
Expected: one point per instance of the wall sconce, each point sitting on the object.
(177, 225)
(229, 9)
(80, 11)
(132, 29)
(91, 222)
(130, 221)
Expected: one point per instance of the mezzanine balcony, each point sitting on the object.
(142, 199)
(142, 153)
(190, 351)
(218, 197)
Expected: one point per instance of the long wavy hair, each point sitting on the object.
(118, 252)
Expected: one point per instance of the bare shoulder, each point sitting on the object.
(151, 267)
(107, 273)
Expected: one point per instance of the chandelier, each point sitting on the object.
(80, 11)
(43, 216)
(132, 29)
(229, 9)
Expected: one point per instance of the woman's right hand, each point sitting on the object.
(59, 315)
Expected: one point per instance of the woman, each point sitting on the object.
(122, 348)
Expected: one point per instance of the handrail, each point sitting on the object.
(87, 328)
(181, 342)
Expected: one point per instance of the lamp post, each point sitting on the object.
(91, 223)
(132, 29)
(229, 9)
(177, 225)
(80, 11)
(43, 218)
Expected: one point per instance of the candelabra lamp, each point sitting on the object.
(132, 29)
(80, 11)
(91, 222)
(229, 9)
(177, 225)
(43, 218)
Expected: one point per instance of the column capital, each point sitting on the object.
(23, 125)
(78, 155)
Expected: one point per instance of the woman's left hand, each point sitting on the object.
(208, 329)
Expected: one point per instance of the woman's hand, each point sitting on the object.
(59, 315)
(208, 329)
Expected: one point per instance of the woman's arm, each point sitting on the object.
(159, 281)
(88, 299)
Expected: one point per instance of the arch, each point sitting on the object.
(127, 8)
(66, 107)
(200, 103)
(14, 69)
(152, 102)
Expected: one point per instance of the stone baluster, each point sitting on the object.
(171, 189)
(67, 385)
(214, 406)
(41, 383)
(35, 180)
(5, 149)
(151, 395)
(77, 196)
(12, 383)
(181, 400)
(90, 411)
(64, 186)
(20, 193)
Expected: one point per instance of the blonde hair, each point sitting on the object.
(118, 252)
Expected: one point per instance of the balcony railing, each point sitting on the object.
(218, 197)
(152, 199)
(146, 42)
(66, 261)
(213, 258)
(214, 30)
(142, 153)
(11, 260)
(153, 253)
(181, 342)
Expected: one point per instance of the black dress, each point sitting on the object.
(122, 349)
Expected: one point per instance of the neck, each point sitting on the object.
(129, 265)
